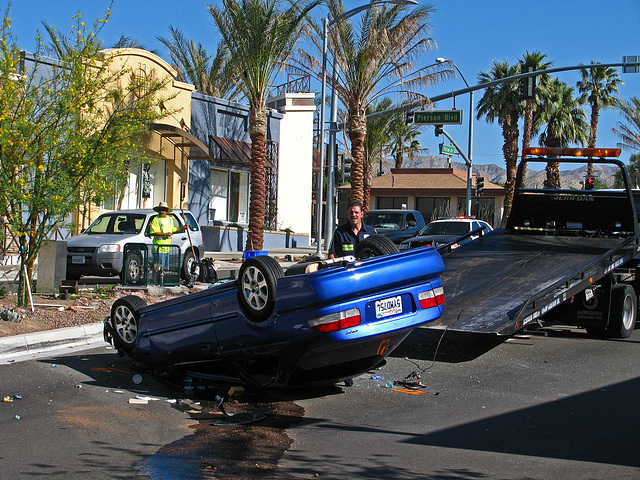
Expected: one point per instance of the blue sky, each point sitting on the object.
(472, 33)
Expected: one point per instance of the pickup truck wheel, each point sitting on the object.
(374, 246)
(622, 320)
(134, 268)
(125, 318)
(257, 283)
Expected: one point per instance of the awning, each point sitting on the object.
(234, 152)
(194, 148)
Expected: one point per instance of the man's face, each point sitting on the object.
(355, 216)
(163, 212)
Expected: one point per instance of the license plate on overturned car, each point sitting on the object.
(388, 306)
(77, 259)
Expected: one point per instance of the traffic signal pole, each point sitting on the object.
(466, 159)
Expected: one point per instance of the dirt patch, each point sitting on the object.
(51, 312)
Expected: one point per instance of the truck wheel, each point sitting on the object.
(125, 318)
(257, 282)
(374, 246)
(622, 320)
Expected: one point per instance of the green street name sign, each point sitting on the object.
(447, 149)
(438, 117)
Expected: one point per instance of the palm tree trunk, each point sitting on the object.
(510, 151)
(553, 168)
(257, 132)
(595, 114)
(526, 137)
(357, 133)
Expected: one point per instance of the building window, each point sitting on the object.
(433, 207)
(392, 202)
(229, 198)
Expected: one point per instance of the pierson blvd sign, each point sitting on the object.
(438, 117)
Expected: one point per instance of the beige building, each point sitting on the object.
(435, 192)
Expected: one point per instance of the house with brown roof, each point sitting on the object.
(435, 192)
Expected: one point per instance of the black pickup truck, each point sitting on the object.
(565, 256)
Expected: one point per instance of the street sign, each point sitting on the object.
(438, 117)
(447, 149)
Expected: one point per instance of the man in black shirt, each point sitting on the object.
(347, 236)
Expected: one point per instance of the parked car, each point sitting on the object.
(317, 323)
(444, 231)
(396, 225)
(99, 250)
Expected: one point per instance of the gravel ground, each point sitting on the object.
(51, 312)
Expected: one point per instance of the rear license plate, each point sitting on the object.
(77, 259)
(388, 307)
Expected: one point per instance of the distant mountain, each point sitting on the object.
(496, 174)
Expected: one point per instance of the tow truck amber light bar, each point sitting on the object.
(572, 152)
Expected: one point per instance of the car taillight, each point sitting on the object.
(336, 321)
(431, 298)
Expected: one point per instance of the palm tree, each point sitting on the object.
(502, 103)
(598, 86)
(376, 145)
(537, 60)
(375, 60)
(564, 122)
(403, 140)
(260, 37)
(630, 132)
(210, 75)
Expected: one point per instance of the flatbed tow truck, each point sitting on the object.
(565, 256)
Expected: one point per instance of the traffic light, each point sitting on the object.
(479, 186)
(408, 117)
(528, 85)
(589, 183)
(346, 168)
(439, 130)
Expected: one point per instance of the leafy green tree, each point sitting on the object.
(598, 86)
(564, 123)
(68, 132)
(211, 75)
(537, 60)
(629, 132)
(260, 38)
(501, 103)
(373, 61)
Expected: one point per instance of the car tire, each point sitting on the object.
(374, 246)
(133, 271)
(186, 265)
(125, 320)
(257, 281)
(623, 312)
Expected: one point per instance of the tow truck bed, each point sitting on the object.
(501, 282)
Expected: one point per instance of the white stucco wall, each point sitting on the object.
(295, 162)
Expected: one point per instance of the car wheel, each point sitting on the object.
(622, 320)
(187, 264)
(374, 246)
(134, 268)
(125, 318)
(257, 282)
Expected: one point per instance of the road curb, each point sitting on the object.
(39, 342)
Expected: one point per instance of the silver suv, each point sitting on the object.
(98, 251)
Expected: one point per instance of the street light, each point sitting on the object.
(320, 179)
(470, 148)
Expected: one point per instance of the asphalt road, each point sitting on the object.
(553, 406)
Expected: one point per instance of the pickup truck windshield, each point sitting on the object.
(384, 219)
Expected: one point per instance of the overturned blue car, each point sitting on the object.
(320, 322)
